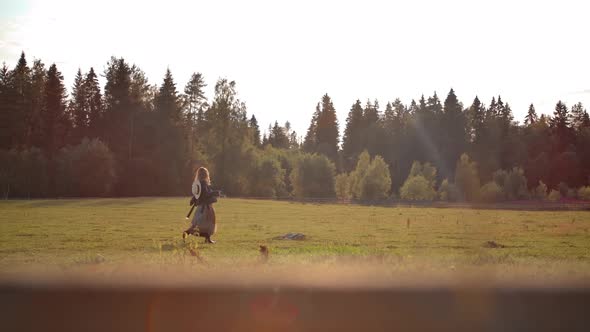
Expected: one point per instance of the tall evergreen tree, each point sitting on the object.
(310, 143)
(578, 116)
(56, 122)
(78, 108)
(453, 141)
(327, 129)
(7, 112)
(167, 102)
(475, 120)
(195, 101)
(94, 103)
(253, 124)
(38, 80)
(531, 118)
(352, 142)
(278, 137)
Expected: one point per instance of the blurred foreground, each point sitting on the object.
(322, 297)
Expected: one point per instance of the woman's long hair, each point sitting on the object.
(203, 175)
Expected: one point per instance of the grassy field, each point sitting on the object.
(69, 233)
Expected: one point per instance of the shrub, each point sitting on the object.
(466, 178)
(417, 188)
(513, 183)
(448, 191)
(376, 183)
(87, 169)
(540, 191)
(342, 186)
(491, 192)
(426, 170)
(554, 196)
(267, 178)
(313, 176)
(362, 166)
(584, 193)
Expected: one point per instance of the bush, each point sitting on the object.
(448, 191)
(342, 186)
(87, 169)
(426, 170)
(376, 183)
(554, 196)
(466, 178)
(540, 192)
(267, 179)
(513, 183)
(362, 166)
(491, 192)
(584, 193)
(417, 188)
(313, 176)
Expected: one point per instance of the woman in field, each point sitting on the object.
(203, 223)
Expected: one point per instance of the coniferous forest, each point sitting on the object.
(131, 138)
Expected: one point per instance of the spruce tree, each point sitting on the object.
(7, 112)
(38, 79)
(531, 118)
(453, 141)
(167, 101)
(327, 129)
(352, 142)
(94, 103)
(56, 122)
(253, 124)
(310, 143)
(17, 104)
(578, 116)
(78, 108)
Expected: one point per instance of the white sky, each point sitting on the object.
(284, 55)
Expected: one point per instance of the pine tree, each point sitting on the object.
(194, 97)
(531, 118)
(578, 116)
(167, 101)
(310, 143)
(278, 137)
(476, 118)
(20, 98)
(78, 108)
(327, 129)
(7, 112)
(560, 119)
(255, 131)
(94, 104)
(56, 123)
(38, 80)
(352, 143)
(454, 140)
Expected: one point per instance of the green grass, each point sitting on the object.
(140, 230)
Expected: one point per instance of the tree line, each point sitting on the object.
(132, 138)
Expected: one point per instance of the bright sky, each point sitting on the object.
(284, 55)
